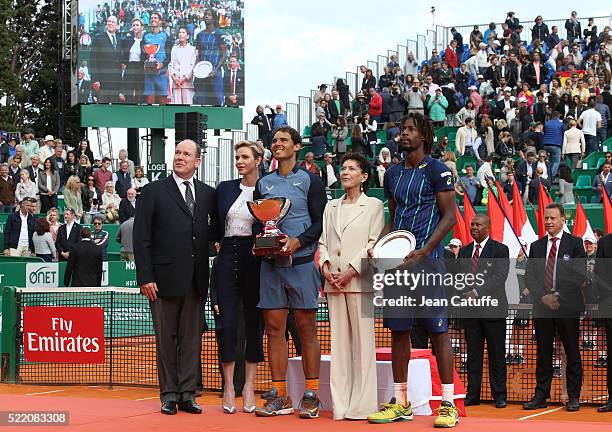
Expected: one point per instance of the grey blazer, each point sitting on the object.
(42, 182)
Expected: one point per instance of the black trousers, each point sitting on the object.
(493, 331)
(608, 325)
(47, 201)
(568, 330)
(133, 82)
(237, 283)
(177, 322)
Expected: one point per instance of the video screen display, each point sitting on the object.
(160, 52)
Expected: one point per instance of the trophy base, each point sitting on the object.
(150, 67)
(268, 245)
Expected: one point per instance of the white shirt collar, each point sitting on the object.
(482, 243)
(556, 236)
(179, 181)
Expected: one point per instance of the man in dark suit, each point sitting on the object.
(504, 105)
(490, 259)
(603, 281)
(14, 243)
(83, 87)
(67, 235)
(175, 219)
(84, 266)
(127, 206)
(492, 73)
(35, 169)
(234, 83)
(556, 271)
(105, 63)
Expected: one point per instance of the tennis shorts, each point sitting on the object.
(156, 84)
(289, 287)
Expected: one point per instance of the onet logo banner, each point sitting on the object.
(42, 275)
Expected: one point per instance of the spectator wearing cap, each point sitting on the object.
(7, 190)
(279, 119)
(48, 149)
(19, 229)
(99, 236)
(359, 107)
(30, 144)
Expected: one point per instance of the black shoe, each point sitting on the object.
(190, 407)
(168, 408)
(501, 403)
(557, 372)
(463, 367)
(471, 402)
(518, 359)
(535, 404)
(456, 350)
(601, 362)
(509, 359)
(606, 408)
(573, 405)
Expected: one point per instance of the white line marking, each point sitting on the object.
(542, 413)
(147, 398)
(45, 392)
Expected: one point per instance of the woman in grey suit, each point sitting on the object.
(48, 185)
(351, 226)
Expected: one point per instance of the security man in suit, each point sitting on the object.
(175, 220)
(490, 259)
(84, 268)
(234, 83)
(603, 281)
(555, 273)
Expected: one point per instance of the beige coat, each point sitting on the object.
(345, 243)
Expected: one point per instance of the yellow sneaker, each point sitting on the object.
(391, 412)
(448, 416)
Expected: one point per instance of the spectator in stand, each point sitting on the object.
(318, 134)
(7, 149)
(375, 108)
(566, 185)
(103, 174)
(122, 179)
(534, 186)
(437, 109)
(382, 163)
(482, 58)
(411, 65)
(574, 144)
(468, 184)
(369, 81)
(476, 38)
(335, 108)
(590, 121)
(139, 181)
(20, 153)
(91, 198)
(127, 207)
(440, 150)
(59, 164)
(110, 203)
(329, 173)
(603, 178)
(553, 38)
(465, 138)
(48, 148)
(564, 105)
(123, 157)
(435, 57)
(475, 98)
(264, 125)
(42, 240)
(99, 236)
(543, 163)
(450, 54)
(279, 119)
(540, 108)
(86, 169)
(30, 144)
(344, 93)
(535, 73)
(72, 197)
(572, 25)
(604, 111)
(415, 98)
(309, 164)
(84, 268)
(553, 141)
(53, 217)
(320, 95)
(450, 160)
(84, 149)
(539, 30)
(524, 171)
(19, 229)
(73, 168)
(508, 185)
(457, 37)
(358, 144)
(368, 129)
(48, 185)
(590, 35)
(7, 190)
(339, 134)
(396, 105)
(67, 235)
(124, 238)
(25, 188)
(466, 112)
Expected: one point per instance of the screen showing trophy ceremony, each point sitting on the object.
(161, 52)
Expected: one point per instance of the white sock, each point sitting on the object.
(400, 391)
(448, 391)
(520, 349)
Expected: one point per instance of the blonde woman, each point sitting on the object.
(53, 217)
(25, 188)
(351, 226)
(86, 168)
(450, 160)
(72, 196)
(110, 203)
(574, 144)
(383, 162)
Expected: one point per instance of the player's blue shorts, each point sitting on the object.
(156, 84)
(433, 318)
(294, 287)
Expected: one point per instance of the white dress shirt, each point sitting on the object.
(182, 188)
(239, 221)
(23, 233)
(548, 247)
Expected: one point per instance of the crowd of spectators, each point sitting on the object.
(32, 179)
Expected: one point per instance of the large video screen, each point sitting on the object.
(160, 52)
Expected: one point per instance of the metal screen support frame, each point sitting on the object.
(112, 324)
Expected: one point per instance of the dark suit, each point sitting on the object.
(132, 85)
(83, 91)
(492, 74)
(12, 229)
(238, 90)
(33, 177)
(487, 324)
(63, 243)
(333, 111)
(105, 67)
(530, 77)
(603, 282)
(570, 274)
(126, 210)
(171, 250)
(84, 266)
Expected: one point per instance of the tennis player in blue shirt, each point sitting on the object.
(421, 199)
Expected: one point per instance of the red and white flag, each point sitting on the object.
(468, 215)
(543, 200)
(582, 227)
(520, 221)
(501, 229)
(460, 230)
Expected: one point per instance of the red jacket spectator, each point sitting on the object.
(451, 57)
(375, 109)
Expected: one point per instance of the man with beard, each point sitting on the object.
(156, 81)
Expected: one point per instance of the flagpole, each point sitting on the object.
(504, 212)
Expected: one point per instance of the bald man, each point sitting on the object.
(173, 224)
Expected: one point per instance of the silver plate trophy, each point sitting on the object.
(202, 69)
(389, 251)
